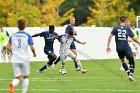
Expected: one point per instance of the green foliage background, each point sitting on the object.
(87, 12)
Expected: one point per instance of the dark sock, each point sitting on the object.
(75, 63)
(57, 60)
(131, 68)
(44, 67)
(125, 68)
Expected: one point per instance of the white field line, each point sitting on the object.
(65, 78)
(56, 90)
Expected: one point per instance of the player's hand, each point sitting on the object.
(108, 49)
(56, 37)
(83, 43)
(34, 55)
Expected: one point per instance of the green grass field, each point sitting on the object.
(103, 76)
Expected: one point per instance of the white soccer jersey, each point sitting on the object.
(66, 42)
(19, 42)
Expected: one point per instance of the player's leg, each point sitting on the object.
(55, 62)
(63, 60)
(52, 57)
(130, 58)
(18, 75)
(3, 54)
(121, 55)
(25, 73)
(73, 49)
(74, 57)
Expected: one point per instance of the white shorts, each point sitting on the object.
(132, 46)
(21, 69)
(65, 54)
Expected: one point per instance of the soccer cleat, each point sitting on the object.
(39, 72)
(131, 78)
(77, 69)
(54, 66)
(84, 71)
(11, 88)
(48, 67)
(121, 68)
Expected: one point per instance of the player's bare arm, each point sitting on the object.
(80, 42)
(35, 35)
(33, 50)
(108, 44)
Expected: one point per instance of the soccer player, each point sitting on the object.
(20, 57)
(123, 49)
(136, 34)
(130, 42)
(4, 37)
(49, 37)
(65, 51)
(72, 46)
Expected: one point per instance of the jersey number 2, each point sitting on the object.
(121, 33)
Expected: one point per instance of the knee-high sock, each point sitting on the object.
(15, 82)
(124, 65)
(25, 84)
(79, 64)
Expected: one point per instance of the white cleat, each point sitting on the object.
(54, 66)
(77, 69)
(39, 72)
(84, 71)
(131, 78)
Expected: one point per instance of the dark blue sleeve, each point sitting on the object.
(7, 33)
(130, 33)
(30, 40)
(137, 32)
(74, 39)
(10, 40)
(42, 34)
(60, 36)
(113, 31)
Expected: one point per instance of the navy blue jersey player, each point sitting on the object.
(49, 37)
(121, 33)
(72, 46)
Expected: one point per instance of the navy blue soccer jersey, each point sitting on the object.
(49, 39)
(121, 36)
(69, 28)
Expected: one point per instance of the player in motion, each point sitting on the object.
(21, 66)
(65, 51)
(4, 37)
(72, 46)
(123, 49)
(49, 37)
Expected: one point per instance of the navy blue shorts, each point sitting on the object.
(125, 53)
(48, 51)
(72, 46)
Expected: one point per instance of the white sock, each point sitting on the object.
(79, 64)
(25, 84)
(15, 82)
(2, 57)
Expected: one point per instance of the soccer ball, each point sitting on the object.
(62, 72)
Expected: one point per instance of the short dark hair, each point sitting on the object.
(21, 24)
(122, 18)
(51, 27)
(70, 33)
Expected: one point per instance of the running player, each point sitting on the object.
(123, 49)
(65, 51)
(72, 46)
(21, 66)
(4, 37)
(49, 37)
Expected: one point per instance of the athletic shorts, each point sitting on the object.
(132, 47)
(72, 46)
(21, 69)
(125, 53)
(65, 54)
(48, 51)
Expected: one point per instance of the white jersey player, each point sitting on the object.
(65, 51)
(19, 42)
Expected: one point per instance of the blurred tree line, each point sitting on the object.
(57, 12)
